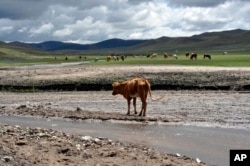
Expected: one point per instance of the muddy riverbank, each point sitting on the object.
(83, 77)
(207, 144)
(39, 146)
(206, 108)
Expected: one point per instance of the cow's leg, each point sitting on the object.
(134, 104)
(144, 105)
(145, 108)
(128, 100)
(142, 108)
(140, 113)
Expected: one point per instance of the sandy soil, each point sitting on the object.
(46, 147)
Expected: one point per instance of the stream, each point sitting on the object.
(209, 144)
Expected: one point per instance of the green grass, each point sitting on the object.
(230, 60)
(9, 57)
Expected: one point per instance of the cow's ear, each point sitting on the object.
(115, 84)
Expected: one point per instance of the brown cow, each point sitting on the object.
(132, 88)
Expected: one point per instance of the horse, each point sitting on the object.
(165, 55)
(175, 56)
(154, 55)
(207, 56)
(193, 55)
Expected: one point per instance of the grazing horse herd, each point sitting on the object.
(115, 57)
(195, 55)
(155, 55)
(166, 55)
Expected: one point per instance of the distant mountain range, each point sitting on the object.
(238, 40)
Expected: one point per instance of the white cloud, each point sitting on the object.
(62, 33)
(6, 29)
(135, 35)
(22, 30)
(94, 21)
(45, 28)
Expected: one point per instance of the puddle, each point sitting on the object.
(46, 66)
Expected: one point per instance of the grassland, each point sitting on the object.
(230, 60)
(75, 78)
(10, 57)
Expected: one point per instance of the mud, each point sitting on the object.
(203, 108)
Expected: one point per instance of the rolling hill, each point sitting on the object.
(237, 40)
(233, 40)
(56, 45)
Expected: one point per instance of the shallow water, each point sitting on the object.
(209, 144)
(200, 108)
(46, 66)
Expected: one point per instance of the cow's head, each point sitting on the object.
(116, 88)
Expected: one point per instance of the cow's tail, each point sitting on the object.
(158, 99)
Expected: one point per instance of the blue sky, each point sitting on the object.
(84, 21)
